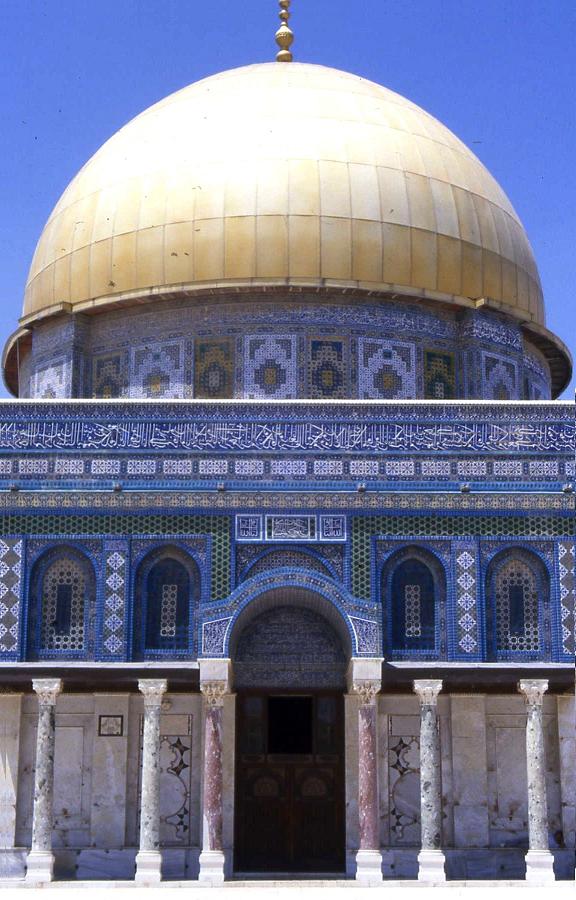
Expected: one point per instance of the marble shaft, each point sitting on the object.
(213, 777)
(368, 788)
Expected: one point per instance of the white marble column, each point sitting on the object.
(539, 860)
(149, 857)
(215, 685)
(364, 680)
(40, 860)
(431, 858)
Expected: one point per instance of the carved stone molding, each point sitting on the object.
(533, 690)
(428, 690)
(214, 692)
(153, 690)
(367, 691)
(47, 690)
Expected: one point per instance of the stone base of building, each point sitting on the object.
(40, 866)
(368, 866)
(148, 866)
(497, 864)
(539, 867)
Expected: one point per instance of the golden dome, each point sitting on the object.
(280, 174)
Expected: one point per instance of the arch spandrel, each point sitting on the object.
(359, 630)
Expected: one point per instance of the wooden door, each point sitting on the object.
(289, 814)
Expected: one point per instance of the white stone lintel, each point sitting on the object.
(39, 866)
(431, 866)
(212, 866)
(148, 867)
(214, 670)
(368, 867)
(539, 867)
(364, 669)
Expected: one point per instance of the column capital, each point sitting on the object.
(366, 690)
(214, 692)
(47, 690)
(153, 690)
(427, 690)
(533, 690)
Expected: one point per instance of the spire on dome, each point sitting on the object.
(284, 35)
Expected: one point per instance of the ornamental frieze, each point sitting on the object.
(198, 434)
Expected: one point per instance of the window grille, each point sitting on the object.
(63, 593)
(516, 600)
(412, 606)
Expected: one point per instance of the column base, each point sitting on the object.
(212, 864)
(368, 866)
(148, 866)
(540, 867)
(40, 866)
(431, 866)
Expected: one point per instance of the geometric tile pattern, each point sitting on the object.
(270, 366)
(52, 382)
(160, 370)
(439, 375)
(213, 636)
(326, 369)
(214, 368)
(386, 370)
(108, 375)
(10, 582)
(115, 584)
(467, 619)
(367, 636)
(286, 559)
(499, 377)
(567, 595)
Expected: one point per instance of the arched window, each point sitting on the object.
(413, 586)
(62, 591)
(413, 612)
(518, 591)
(166, 585)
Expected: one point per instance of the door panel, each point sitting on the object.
(290, 806)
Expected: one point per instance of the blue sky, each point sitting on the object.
(500, 73)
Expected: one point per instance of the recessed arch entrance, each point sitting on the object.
(290, 650)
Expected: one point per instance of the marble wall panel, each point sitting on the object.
(10, 711)
(470, 776)
(567, 755)
(109, 761)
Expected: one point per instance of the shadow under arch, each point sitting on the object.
(290, 637)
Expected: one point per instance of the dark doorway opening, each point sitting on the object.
(289, 813)
(290, 725)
